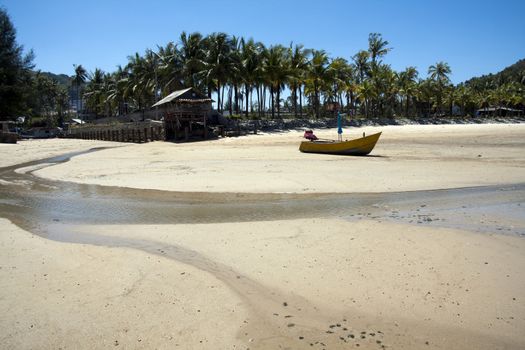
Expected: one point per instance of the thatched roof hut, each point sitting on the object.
(185, 112)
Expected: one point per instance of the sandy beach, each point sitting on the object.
(407, 158)
(444, 273)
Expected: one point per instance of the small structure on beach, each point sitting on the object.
(6, 132)
(499, 112)
(185, 113)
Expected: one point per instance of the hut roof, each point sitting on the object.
(184, 96)
(493, 109)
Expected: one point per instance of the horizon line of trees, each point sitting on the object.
(248, 78)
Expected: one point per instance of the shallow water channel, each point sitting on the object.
(34, 203)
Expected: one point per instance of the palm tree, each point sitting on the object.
(465, 98)
(62, 104)
(94, 92)
(366, 92)
(192, 57)
(217, 64)
(276, 71)
(341, 77)
(316, 76)
(361, 64)
(235, 74)
(377, 47)
(142, 80)
(249, 66)
(408, 86)
(439, 75)
(439, 72)
(297, 74)
(78, 81)
(118, 89)
(171, 73)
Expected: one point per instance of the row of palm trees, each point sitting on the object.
(245, 76)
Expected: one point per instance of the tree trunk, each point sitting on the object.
(278, 103)
(219, 97)
(316, 102)
(257, 88)
(294, 100)
(236, 89)
(300, 102)
(273, 102)
(263, 92)
(222, 99)
(247, 91)
(230, 107)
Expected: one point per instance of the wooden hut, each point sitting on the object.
(185, 112)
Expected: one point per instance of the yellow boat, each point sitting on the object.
(357, 147)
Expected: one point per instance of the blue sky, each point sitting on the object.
(474, 37)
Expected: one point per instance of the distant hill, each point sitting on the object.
(62, 79)
(513, 73)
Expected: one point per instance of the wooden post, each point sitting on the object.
(205, 133)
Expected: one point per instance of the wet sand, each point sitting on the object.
(437, 271)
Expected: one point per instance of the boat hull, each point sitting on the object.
(356, 147)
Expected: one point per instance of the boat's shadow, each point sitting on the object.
(361, 156)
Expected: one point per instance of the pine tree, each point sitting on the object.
(15, 71)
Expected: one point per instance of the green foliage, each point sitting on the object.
(15, 69)
(512, 74)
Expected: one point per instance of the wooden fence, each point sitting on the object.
(129, 132)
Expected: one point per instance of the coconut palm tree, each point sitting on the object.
(297, 74)
(439, 75)
(276, 72)
(341, 76)
(142, 80)
(235, 78)
(408, 86)
(366, 92)
(217, 63)
(439, 72)
(79, 80)
(377, 47)
(249, 66)
(118, 89)
(192, 57)
(94, 92)
(318, 72)
(62, 104)
(171, 73)
(362, 65)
